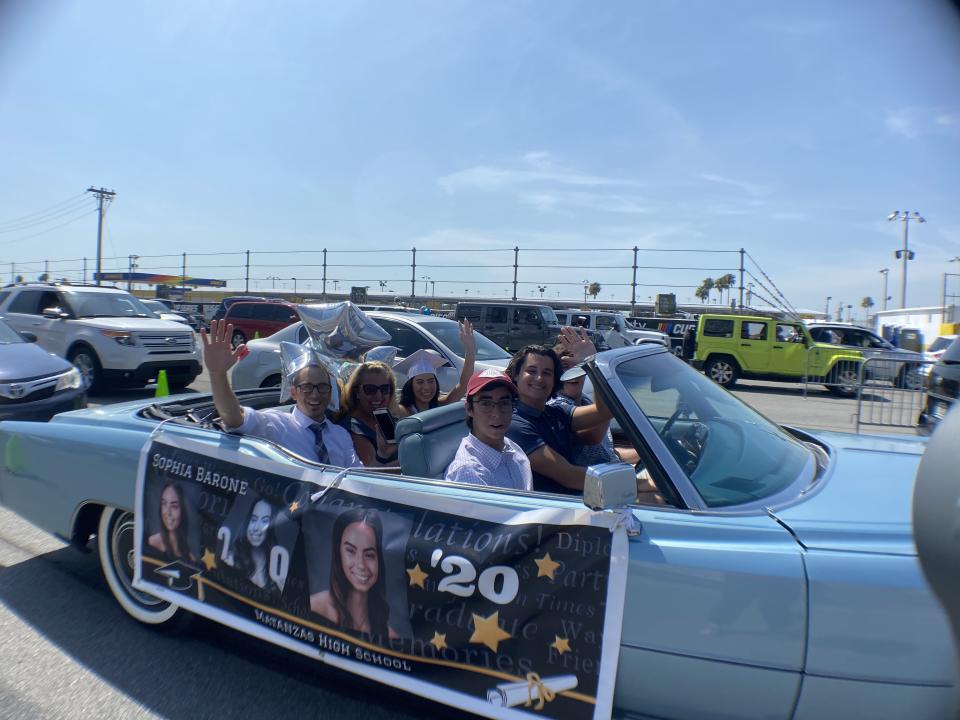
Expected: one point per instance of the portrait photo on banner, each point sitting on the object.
(257, 539)
(354, 558)
(171, 525)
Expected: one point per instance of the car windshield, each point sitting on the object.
(449, 334)
(156, 306)
(9, 335)
(550, 316)
(730, 453)
(102, 304)
(939, 344)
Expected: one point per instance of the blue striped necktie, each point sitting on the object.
(323, 457)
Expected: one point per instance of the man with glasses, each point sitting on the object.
(486, 456)
(305, 431)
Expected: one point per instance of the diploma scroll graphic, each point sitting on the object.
(519, 693)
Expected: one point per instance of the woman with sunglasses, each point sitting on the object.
(371, 386)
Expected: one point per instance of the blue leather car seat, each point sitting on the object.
(429, 440)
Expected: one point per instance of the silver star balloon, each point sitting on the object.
(385, 354)
(341, 330)
(294, 358)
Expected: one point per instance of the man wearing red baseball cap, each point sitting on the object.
(486, 456)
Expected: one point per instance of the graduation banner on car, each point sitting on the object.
(499, 610)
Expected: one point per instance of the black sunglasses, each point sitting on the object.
(372, 390)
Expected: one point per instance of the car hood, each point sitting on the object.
(133, 323)
(19, 361)
(864, 503)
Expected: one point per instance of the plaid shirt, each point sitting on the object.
(479, 464)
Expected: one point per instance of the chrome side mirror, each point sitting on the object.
(609, 485)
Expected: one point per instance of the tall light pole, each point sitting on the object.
(273, 283)
(586, 284)
(426, 279)
(294, 286)
(130, 268)
(541, 288)
(906, 254)
(883, 300)
(826, 310)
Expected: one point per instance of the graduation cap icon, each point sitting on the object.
(179, 574)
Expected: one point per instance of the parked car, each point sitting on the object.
(511, 325)
(228, 301)
(35, 384)
(164, 312)
(729, 347)
(604, 323)
(780, 563)
(408, 332)
(895, 365)
(943, 385)
(935, 351)
(107, 333)
(259, 319)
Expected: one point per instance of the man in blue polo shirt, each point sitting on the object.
(549, 433)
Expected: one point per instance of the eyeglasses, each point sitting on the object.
(307, 388)
(488, 405)
(371, 390)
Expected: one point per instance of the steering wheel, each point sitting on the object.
(682, 409)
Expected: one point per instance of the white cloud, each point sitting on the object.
(747, 187)
(913, 122)
(538, 181)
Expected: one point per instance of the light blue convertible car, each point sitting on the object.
(773, 575)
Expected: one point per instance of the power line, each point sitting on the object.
(55, 227)
(51, 217)
(13, 221)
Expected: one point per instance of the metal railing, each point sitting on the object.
(841, 379)
(891, 391)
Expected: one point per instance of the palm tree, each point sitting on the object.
(725, 282)
(594, 289)
(866, 304)
(706, 286)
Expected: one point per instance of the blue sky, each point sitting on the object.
(789, 129)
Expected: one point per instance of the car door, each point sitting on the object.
(25, 314)
(716, 598)
(526, 327)
(755, 345)
(494, 323)
(787, 350)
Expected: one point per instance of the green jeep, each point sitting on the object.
(729, 347)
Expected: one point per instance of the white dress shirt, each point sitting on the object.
(478, 463)
(292, 431)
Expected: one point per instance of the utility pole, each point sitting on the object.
(906, 254)
(883, 298)
(101, 193)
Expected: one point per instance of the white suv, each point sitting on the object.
(107, 333)
(606, 322)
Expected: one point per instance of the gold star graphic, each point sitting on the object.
(293, 506)
(487, 631)
(547, 567)
(439, 640)
(417, 576)
(209, 559)
(561, 645)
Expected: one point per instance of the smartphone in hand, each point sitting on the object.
(388, 426)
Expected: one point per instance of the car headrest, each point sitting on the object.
(429, 440)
